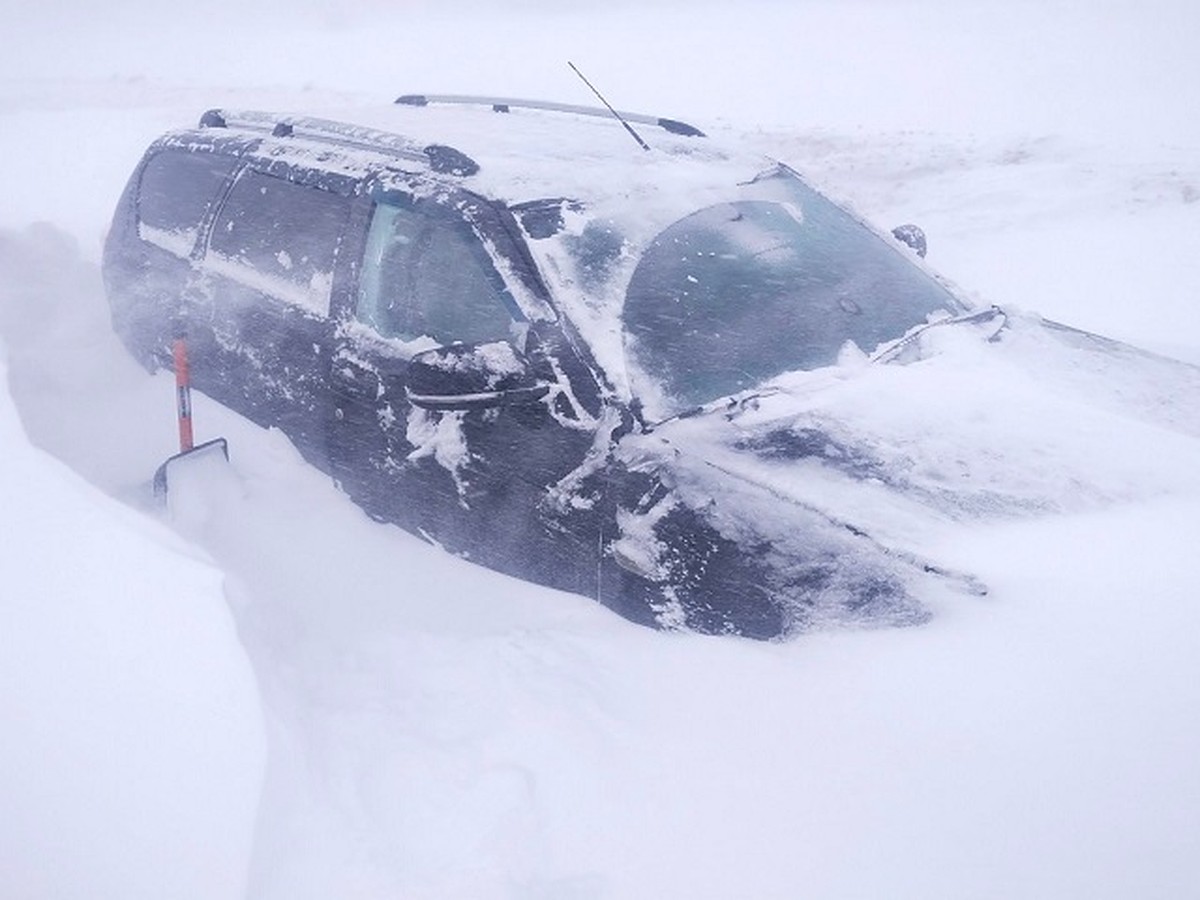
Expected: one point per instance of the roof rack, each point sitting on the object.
(439, 157)
(506, 104)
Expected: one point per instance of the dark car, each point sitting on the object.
(495, 326)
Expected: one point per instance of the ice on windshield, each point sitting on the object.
(739, 292)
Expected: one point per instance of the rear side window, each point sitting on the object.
(177, 191)
(280, 238)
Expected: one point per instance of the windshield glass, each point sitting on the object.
(740, 292)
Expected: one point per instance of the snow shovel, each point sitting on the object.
(189, 451)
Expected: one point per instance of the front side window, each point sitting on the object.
(426, 275)
(280, 237)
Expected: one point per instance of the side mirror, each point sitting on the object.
(472, 376)
(913, 236)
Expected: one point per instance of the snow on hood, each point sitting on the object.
(988, 420)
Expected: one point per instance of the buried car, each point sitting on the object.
(506, 327)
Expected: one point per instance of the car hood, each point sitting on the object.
(868, 467)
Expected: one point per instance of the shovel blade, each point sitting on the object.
(198, 454)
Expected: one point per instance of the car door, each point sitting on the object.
(471, 469)
(269, 275)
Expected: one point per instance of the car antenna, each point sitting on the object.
(620, 118)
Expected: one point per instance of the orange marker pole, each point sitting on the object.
(183, 395)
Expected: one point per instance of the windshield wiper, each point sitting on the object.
(892, 350)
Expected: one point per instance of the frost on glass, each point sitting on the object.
(176, 193)
(739, 292)
(280, 238)
(427, 276)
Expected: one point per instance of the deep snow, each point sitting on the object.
(435, 730)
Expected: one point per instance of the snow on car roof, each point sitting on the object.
(531, 154)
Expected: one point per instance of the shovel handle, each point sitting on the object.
(183, 395)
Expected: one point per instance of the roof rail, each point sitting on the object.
(439, 157)
(505, 104)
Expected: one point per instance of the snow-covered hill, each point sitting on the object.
(264, 693)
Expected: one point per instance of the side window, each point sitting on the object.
(280, 237)
(427, 275)
(175, 195)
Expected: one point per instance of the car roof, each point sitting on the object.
(515, 151)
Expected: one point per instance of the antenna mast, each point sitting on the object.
(619, 117)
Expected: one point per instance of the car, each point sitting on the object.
(508, 328)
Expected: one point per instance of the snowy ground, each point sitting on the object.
(277, 698)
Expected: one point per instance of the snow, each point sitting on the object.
(312, 297)
(278, 697)
(440, 437)
(134, 744)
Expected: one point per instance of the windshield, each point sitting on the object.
(740, 292)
